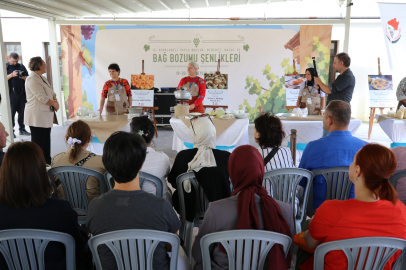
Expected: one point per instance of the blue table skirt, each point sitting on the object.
(190, 146)
(299, 146)
(396, 144)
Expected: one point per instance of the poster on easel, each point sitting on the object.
(142, 89)
(216, 89)
(380, 87)
(381, 92)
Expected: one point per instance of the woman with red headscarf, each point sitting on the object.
(249, 207)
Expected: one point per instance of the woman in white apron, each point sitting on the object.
(117, 91)
(310, 95)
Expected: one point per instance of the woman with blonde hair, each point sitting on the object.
(78, 137)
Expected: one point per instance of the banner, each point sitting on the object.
(393, 19)
(256, 59)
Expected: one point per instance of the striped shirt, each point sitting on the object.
(282, 159)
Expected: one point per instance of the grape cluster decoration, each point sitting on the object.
(196, 41)
(87, 31)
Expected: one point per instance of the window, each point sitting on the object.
(48, 61)
(13, 47)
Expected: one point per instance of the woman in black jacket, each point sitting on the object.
(25, 203)
(204, 154)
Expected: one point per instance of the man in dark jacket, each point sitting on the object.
(16, 75)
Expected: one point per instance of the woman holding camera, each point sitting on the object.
(40, 107)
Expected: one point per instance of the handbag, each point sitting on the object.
(55, 121)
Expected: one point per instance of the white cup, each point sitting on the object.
(322, 112)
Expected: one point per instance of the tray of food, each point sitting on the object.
(227, 116)
(284, 115)
(296, 82)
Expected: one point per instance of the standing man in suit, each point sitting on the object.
(16, 75)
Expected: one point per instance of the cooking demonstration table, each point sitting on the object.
(310, 128)
(393, 127)
(102, 128)
(230, 133)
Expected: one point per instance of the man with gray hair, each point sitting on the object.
(337, 149)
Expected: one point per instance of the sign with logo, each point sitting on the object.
(143, 98)
(393, 30)
(393, 19)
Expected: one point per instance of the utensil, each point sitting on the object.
(241, 116)
(183, 95)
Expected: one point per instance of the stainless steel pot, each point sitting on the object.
(183, 95)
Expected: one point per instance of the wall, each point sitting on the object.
(32, 33)
(365, 46)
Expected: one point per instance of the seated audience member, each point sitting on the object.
(78, 137)
(203, 155)
(156, 163)
(375, 211)
(268, 134)
(3, 141)
(127, 206)
(337, 149)
(25, 203)
(400, 153)
(249, 208)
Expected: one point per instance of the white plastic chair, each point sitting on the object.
(73, 181)
(201, 205)
(396, 176)
(143, 178)
(373, 252)
(284, 185)
(243, 247)
(134, 249)
(338, 185)
(25, 248)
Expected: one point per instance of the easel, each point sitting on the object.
(372, 109)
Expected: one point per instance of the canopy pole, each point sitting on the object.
(347, 26)
(5, 108)
(56, 81)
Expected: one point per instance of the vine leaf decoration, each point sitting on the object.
(271, 100)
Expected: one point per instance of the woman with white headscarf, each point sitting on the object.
(204, 154)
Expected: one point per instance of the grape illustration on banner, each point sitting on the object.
(87, 31)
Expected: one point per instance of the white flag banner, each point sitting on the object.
(393, 19)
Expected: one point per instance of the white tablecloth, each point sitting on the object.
(236, 134)
(394, 128)
(97, 148)
(313, 130)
